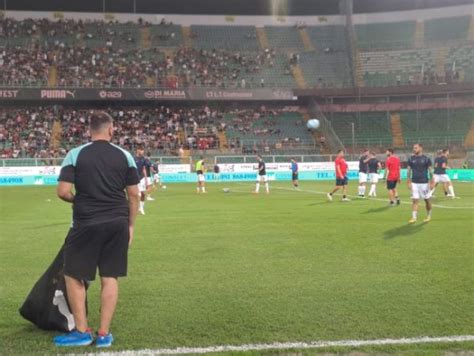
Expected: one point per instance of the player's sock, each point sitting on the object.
(451, 190)
(198, 189)
(372, 190)
(203, 189)
(360, 190)
(343, 196)
(445, 193)
(414, 215)
(428, 213)
(257, 187)
(398, 200)
(267, 188)
(363, 190)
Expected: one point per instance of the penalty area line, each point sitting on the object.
(292, 345)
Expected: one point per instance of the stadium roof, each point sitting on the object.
(225, 7)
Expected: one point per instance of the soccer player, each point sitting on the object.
(200, 175)
(374, 166)
(341, 176)
(156, 174)
(440, 176)
(294, 173)
(105, 206)
(363, 170)
(143, 173)
(419, 171)
(261, 176)
(392, 176)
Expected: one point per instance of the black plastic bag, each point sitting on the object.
(46, 305)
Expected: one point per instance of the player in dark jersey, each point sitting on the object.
(294, 173)
(373, 165)
(105, 206)
(440, 175)
(143, 167)
(363, 171)
(418, 178)
(261, 176)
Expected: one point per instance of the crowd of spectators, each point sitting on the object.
(28, 132)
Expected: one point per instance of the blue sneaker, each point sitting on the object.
(104, 340)
(74, 338)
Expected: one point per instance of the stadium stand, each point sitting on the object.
(329, 36)
(327, 69)
(284, 37)
(387, 35)
(445, 29)
(240, 38)
(166, 35)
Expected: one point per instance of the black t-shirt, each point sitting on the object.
(438, 165)
(363, 165)
(100, 172)
(261, 168)
(373, 165)
(419, 166)
(143, 162)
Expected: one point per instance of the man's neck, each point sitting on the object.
(100, 138)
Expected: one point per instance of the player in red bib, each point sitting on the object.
(341, 176)
(392, 175)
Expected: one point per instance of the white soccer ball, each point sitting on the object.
(164, 187)
(313, 124)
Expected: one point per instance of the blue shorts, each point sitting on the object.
(341, 181)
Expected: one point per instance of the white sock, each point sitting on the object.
(198, 189)
(414, 214)
(203, 189)
(451, 190)
(372, 190)
(362, 190)
(267, 188)
(257, 187)
(142, 205)
(428, 212)
(432, 191)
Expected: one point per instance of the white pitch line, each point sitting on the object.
(371, 199)
(290, 346)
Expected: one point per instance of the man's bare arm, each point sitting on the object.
(133, 201)
(64, 192)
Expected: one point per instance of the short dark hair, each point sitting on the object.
(340, 151)
(419, 144)
(99, 119)
(390, 150)
(445, 150)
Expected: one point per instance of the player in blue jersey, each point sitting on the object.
(294, 173)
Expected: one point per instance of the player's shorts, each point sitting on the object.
(201, 178)
(142, 185)
(294, 176)
(103, 245)
(262, 177)
(362, 177)
(341, 181)
(374, 177)
(156, 178)
(391, 184)
(441, 178)
(420, 191)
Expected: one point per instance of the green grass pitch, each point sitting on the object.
(234, 268)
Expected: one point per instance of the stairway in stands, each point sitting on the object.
(470, 34)
(419, 38)
(397, 131)
(299, 76)
(307, 42)
(52, 76)
(262, 38)
(56, 135)
(469, 139)
(222, 140)
(145, 37)
(440, 60)
(187, 36)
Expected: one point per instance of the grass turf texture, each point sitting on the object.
(237, 268)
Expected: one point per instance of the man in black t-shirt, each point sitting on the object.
(261, 176)
(418, 178)
(373, 166)
(105, 206)
(440, 175)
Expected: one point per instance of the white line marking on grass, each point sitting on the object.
(376, 199)
(293, 345)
